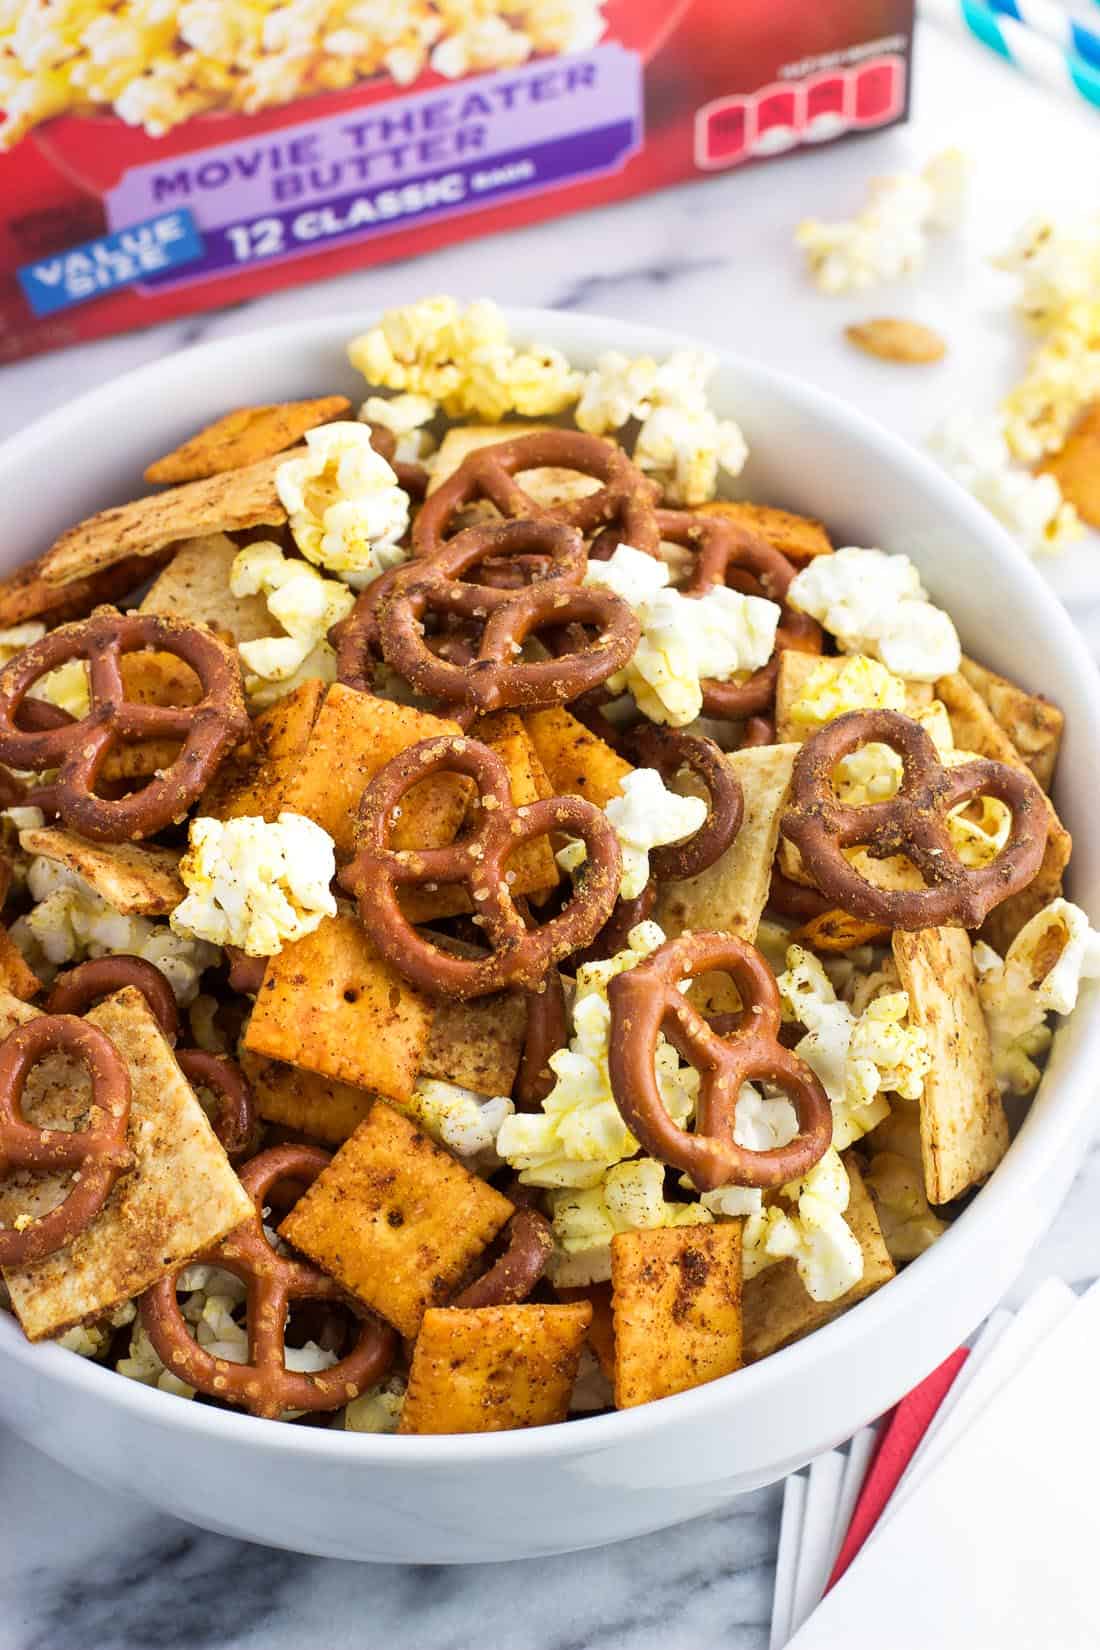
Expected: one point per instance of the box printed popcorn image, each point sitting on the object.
(164, 156)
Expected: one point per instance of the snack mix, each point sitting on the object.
(495, 930)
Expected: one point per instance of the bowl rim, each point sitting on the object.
(1046, 1132)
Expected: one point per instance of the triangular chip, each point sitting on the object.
(194, 587)
(1032, 723)
(134, 879)
(799, 538)
(244, 437)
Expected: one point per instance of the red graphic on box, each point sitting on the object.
(753, 125)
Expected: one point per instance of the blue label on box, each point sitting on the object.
(120, 259)
(346, 177)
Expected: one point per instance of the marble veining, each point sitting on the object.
(82, 1569)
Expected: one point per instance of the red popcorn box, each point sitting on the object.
(151, 167)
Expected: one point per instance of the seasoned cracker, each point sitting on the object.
(577, 761)
(302, 1100)
(964, 1132)
(601, 1331)
(331, 1004)
(676, 1300)
(799, 538)
(354, 736)
(180, 1198)
(493, 1368)
(244, 437)
(221, 504)
(1076, 466)
(839, 931)
(396, 1219)
(254, 779)
(16, 977)
(730, 896)
(1033, 724)
(194, 588)
(137, 880)
(777, 1308)
(477, 1043)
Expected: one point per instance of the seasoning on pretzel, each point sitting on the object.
(647, 1000)
(625, 496)
(912, 823)
(78, 749)
(517, 955)
(529, 1244)
(264, 1385)
(95, 1155)
(669, 751)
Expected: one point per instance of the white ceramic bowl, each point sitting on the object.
(512, 1495)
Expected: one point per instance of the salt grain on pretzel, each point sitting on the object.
(78, 749)
(625, 497)
(264, 1385)
(912, 823)
(95, 1155)
(647, 1000)
(517, 955)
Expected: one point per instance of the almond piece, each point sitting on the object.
(892, 340)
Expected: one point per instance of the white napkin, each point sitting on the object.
(993, 1545)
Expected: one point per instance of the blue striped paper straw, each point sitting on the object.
(1058, 67)
(1056, 23)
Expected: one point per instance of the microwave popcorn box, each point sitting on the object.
(160, 160)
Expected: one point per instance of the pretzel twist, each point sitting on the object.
(517, 955)
(513, 1275)
(625, 496)
(79, 748)
(669, 750)
(913, 823)
(96, 1154)
(264, 1385)
(646, 1001)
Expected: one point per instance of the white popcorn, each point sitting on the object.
(15, 639)
(685, 639)
(1030, 506)
(405, 416)
(347, 511)
(629, 1198)
(889, 237)
(1062, 379)
(875, 604)
(379, 1409)
(645, 815)
(812, 1232)
(1058, 264)
(465, 1122)
(300, 600)
(254, 884)
(1041, 974)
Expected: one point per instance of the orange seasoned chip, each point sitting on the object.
(244, 436)
(396, 1219)
(353, 737)
(838, 931)
(303, 1100)
(1032, 723)
(601, 1331)
(331, 1004)
(494, 1368)
(254, 779)
(1076, 467)
(676, 1299)
(798, 537)
(578, 762)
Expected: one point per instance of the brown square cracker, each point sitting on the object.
(396, 1219)
(254, 779)
(136, 879)
(221, 504)
(318, 1106)
(194, 588)
(1032, 723)
(353, 737)
(181, 1197)
(676, 1299)
(578, 762)
(493, 1368)
(243, 437)
(731, 895)
(1076, 466)
(331, 1004)
(799, 538)
(976, 729)
(963, 1129)
(777, 1308)
(795, 670)
(479, 1043)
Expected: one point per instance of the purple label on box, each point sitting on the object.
(457, 148)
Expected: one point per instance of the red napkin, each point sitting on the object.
(901, 1435)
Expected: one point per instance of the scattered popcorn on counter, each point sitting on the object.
(1032, 508)
(629, 1198)
(645, 815)
(1058, 265)
(1062, 379)
(69, 922)
(305, 604)
(347, 511)
(889, 237)
(254, 884)
(1040, 974)
(467, 1123)
(685, 639)
(875, 604)
(579, 1134)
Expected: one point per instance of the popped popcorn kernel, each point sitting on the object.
(347, 511)
(1040, 974)
(254, 884)
(875, 604)
(645, 815)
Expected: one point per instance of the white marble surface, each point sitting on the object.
(79, 1568)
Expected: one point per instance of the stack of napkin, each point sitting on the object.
(969, 1516)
